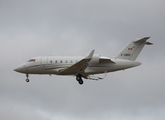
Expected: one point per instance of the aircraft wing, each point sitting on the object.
(78, 67)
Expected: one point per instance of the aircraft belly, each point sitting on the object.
(42, 72)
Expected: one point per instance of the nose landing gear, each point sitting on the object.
(27, 80)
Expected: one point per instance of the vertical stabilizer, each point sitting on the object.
(132, 50)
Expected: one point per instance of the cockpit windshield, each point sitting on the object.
(32, 60)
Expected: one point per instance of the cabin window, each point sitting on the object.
(32, 60)
(61, 61)
(56, 61)
(66, 61)
(51, 61)
(71, 61)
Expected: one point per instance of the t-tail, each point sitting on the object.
(132, 50)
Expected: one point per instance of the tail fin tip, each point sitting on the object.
(141, 40)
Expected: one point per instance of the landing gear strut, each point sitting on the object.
(27, 80)
(79, 79)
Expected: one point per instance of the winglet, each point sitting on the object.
(90, 55)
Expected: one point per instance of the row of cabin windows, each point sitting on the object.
(62, 61)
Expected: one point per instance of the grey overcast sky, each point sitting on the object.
(30, 28)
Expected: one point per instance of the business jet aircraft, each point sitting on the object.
(87, 66)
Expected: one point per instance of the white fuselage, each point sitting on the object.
(53, 65)
(85, 66)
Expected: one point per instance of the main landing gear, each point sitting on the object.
(79, 79)
(27, 80)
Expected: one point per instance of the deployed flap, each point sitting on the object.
(78, 67)
(92, 77)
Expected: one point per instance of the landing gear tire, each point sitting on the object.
(27, 80)
(80, 82)
(79, 79)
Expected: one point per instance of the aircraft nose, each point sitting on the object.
(15, 69)
(19, 69)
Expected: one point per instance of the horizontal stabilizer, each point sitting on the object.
(141, 40)
(144, 40)
(148, 43)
